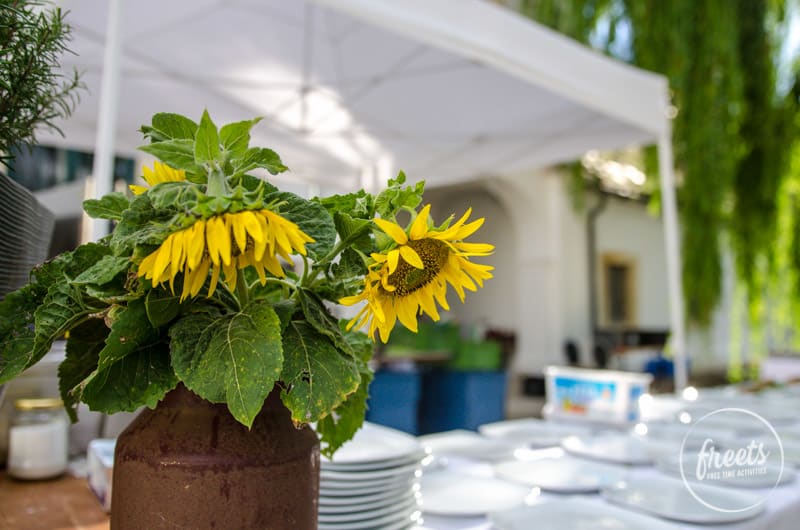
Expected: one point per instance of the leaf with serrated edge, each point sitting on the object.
(140, 379)
(319, 377)
(206, 141)
(110, 206)
(103, 271)
(235, 358)
(342, 424)
(83, 349)
(178, 154)
(129, 331)
(235, 137)
(162, 306)
(321, 320)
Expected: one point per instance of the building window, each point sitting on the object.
(619, 290)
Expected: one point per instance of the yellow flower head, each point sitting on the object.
(160, 173)
(411, 278)
(224, 243)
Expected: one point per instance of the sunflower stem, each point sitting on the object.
(217, 183)
(242, 291)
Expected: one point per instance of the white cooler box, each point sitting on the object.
(600, 396)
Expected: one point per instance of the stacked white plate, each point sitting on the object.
(372, 482)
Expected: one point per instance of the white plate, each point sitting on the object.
(405, 517)
(616, 448)
(670, 498)
(363, 505)
(459, 494)
(574, 514)
(407, 470)
(561, 474)
(372, 496)
(337, 488)
(533, 432)
(772, 476)
(326, 465)
(467, 444)
(402, 506)
(375, 443)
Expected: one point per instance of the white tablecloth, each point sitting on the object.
(782, 506)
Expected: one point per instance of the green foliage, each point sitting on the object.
(234, 358)
(109, 207)
(733, 130)
(133, 337)
(33, 93)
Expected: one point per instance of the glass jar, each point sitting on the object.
(37, 439)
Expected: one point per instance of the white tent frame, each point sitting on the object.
(492, 36)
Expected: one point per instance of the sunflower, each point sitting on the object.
(160, 173)
(411, 278)
(224, 243)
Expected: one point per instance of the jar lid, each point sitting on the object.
(38, 404)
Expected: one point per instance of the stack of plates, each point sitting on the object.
(372, 482)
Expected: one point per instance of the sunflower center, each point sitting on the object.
(406, 278)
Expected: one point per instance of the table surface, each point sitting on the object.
(65, 503)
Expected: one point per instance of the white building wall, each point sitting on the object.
(626, 228)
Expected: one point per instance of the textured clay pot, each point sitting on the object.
(189, 464)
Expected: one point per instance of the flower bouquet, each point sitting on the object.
(214, 278)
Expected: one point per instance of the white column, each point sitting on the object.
(673, 254)
(103, 167)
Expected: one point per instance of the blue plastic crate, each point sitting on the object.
(461, 400)
(394, 400)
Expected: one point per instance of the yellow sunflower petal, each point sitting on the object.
(393, 230)
(393, 258)
(214, 279)
(136, 189)
(218, 240)
(420, 225)
(196, 244)
(411, 257)
(236, 224)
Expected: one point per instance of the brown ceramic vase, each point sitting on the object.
(189, 464)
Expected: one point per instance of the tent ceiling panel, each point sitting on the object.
(446, 90)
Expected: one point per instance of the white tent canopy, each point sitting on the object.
(353, 90)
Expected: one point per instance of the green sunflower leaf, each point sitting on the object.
(353, 231)
(61, 309)
(321, 320)
(140, 379)
(162, 306)
(311, 217)
(16, 336)
(234, 359)
(103, 271)
(168, 126)
(340, 426)
(141, 224)
(83, 350)
(110, 206)
(360, 342)
(359, 205)
(258, 157)
(206, 142)
(318, 376)
(175, 196)
(178, 154)
(395, 197)
(235, 137)
(130, 330)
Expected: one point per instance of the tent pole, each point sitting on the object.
(673, 255)
(103, 164)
